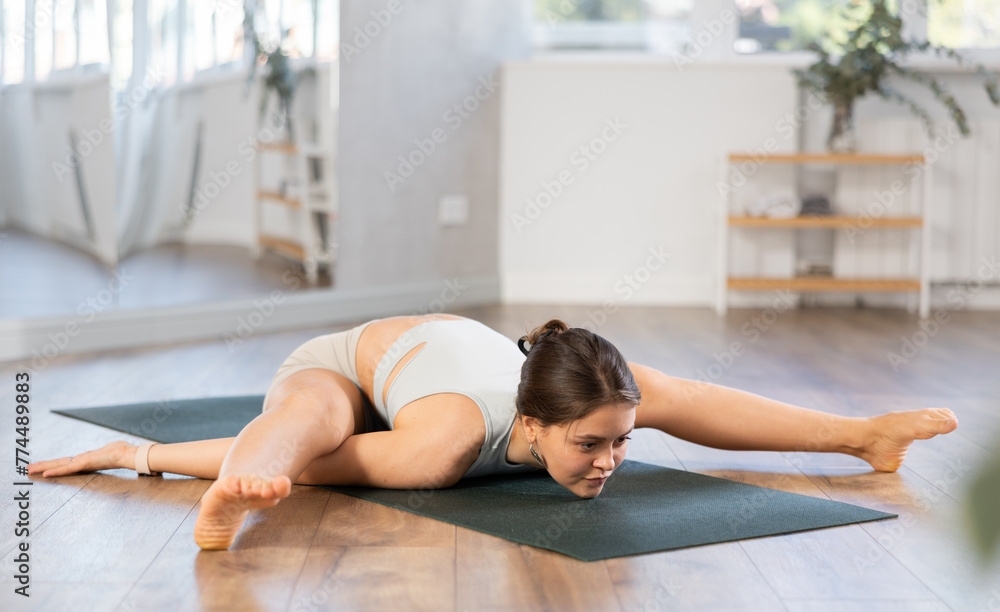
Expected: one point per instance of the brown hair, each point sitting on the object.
(569, 372)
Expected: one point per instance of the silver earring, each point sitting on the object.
(535, 455)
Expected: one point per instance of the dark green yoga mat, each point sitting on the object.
(643, 508)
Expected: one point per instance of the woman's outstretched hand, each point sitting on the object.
(118, 454)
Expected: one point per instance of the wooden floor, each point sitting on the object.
(112, 541)
(43, 278)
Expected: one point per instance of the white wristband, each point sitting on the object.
(142, 460)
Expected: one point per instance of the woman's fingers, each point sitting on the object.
(104, 458)
(54, 467)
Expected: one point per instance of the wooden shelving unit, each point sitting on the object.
(312, 201)
(919, 284)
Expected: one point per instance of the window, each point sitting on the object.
(64, 35)
(655, 25)
(49, 40)
(41, 35)
(298, 21)
(162, 16)
(13, 41)
(790, 25)
(121, 45)
(93, 19)
(327, 30)
(228, 18)
(306, 28)
(964, 24)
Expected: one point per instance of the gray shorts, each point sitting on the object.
(336, 352)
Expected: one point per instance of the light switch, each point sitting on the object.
(453, 210)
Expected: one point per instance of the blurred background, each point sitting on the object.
(165, 165)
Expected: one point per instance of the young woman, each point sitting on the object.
(423, 401)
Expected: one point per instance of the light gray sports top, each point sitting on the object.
(461, 356)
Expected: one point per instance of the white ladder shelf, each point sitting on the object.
(312, 201)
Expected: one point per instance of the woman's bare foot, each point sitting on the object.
(227, 502)
(893, 432)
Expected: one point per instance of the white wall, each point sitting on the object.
(653, 188)
(655, 185)
(399, 87)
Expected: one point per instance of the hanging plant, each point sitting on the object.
(874, 51)
(279, 80)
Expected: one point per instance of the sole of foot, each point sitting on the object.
(227, 503)
(894, 432)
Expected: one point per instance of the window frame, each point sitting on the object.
(722, 51)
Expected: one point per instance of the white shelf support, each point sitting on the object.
(721, 296)
(925, 242)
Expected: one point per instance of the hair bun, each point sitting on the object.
(552, 327)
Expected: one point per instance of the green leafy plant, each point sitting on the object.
(874, 51)
(280, 78)
(984, 509)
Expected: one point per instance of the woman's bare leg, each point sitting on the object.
(311, 415)
(721, 417)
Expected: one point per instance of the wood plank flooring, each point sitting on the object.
(49, 278)
(112, 541)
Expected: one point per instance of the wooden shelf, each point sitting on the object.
(827, 158)
(289, 148)
(827, 221)
(274, 196)
(824, 283)
(280, 147)
(919, 241)
(282, 245)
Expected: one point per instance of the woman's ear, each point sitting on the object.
(532, 427)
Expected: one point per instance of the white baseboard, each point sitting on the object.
(654, 290)
(34, 342)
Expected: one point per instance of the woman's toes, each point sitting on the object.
(283, 486)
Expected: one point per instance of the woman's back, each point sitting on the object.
(436, 361)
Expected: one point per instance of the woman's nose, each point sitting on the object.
(605, 461)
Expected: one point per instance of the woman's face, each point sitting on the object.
(580, 455)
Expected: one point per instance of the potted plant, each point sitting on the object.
(873, 52)
(279, 80)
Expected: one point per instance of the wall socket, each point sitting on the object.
(453, 210)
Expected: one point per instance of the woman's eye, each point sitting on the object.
(589, 445)
(622, 439)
